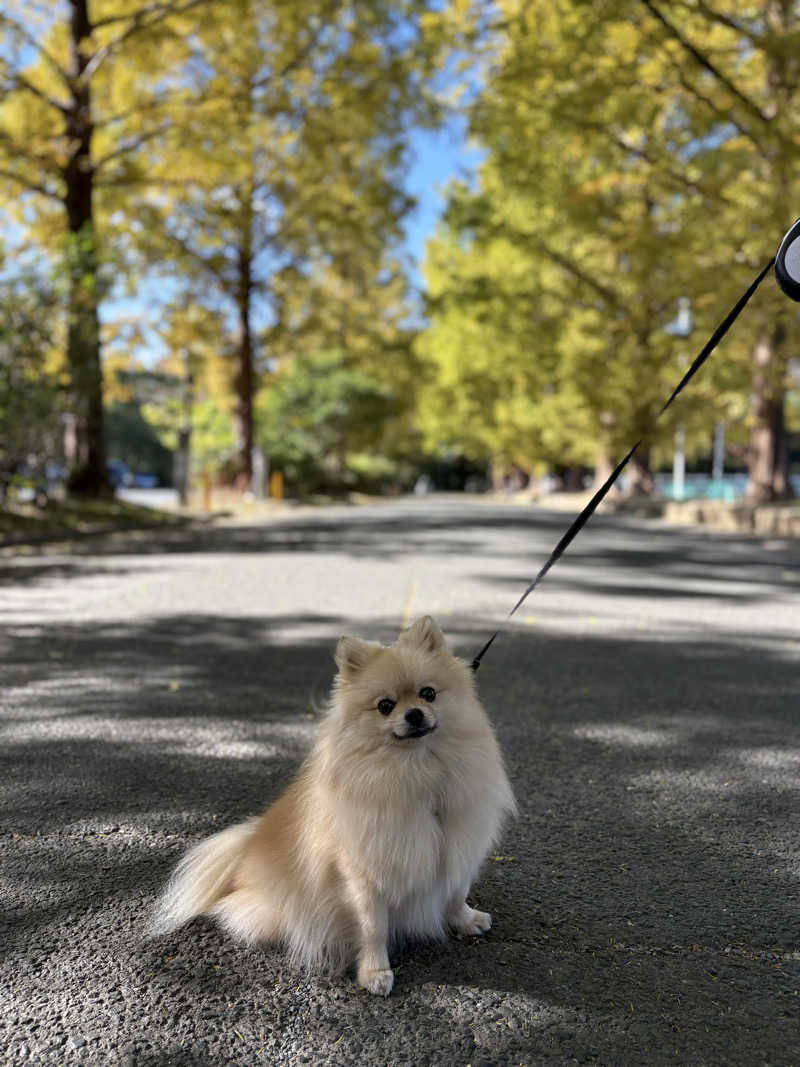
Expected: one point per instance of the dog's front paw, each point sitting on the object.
(378, 982)
(472, 922)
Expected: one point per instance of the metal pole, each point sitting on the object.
(718, 462)
(679, 463)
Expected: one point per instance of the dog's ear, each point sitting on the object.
(425, 634)
(353, 654)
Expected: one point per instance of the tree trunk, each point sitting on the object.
(243, 379)
(183, 454)
(768, 454)
(572, 479)
(83, 330)
(497, 475)
(603, 466)
(640, 476)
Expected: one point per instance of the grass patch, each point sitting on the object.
(65, 518)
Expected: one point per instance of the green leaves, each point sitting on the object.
(30, 385)
(629, 157)
(318, 418)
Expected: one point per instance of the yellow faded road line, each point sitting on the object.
(409, 604)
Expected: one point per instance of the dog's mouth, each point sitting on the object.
(415, 732)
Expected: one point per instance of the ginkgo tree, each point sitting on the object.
(734, 72)
(637, 153)
(289, 165)
(219, 140)
(71, 118)
(30, 375)
(191, 407)
(553, 281)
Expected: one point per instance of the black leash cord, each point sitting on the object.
(591, 507)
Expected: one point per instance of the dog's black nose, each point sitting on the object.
(414, 717)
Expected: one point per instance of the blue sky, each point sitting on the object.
(438, 157)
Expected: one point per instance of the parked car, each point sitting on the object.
(118, 474)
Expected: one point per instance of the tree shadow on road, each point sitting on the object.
(644, 902)
(361, 533)
(616, 558)
(648, 891)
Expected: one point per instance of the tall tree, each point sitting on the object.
(291, 159)
(553, 281)
(67, 131)
(189, 403)
(30, 376)
(736, 71)
(615, 133)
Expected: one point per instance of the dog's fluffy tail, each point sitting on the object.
(201, 879)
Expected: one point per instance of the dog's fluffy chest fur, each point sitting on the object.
(422, 827)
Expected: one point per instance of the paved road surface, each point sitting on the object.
(645, 903)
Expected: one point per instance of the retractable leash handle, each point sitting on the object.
(787, 263)
(787, 272)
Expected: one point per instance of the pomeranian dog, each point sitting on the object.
(381, 834)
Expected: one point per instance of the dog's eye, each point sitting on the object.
(427, 693)
(385, 706)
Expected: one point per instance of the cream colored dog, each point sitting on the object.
(381, 834)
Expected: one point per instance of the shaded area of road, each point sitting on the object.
(644, 903)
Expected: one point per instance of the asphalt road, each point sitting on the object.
(645, 902)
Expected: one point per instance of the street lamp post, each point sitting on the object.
(681, 326)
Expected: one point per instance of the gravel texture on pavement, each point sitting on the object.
(156, 687)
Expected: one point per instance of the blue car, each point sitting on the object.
(118, 474)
